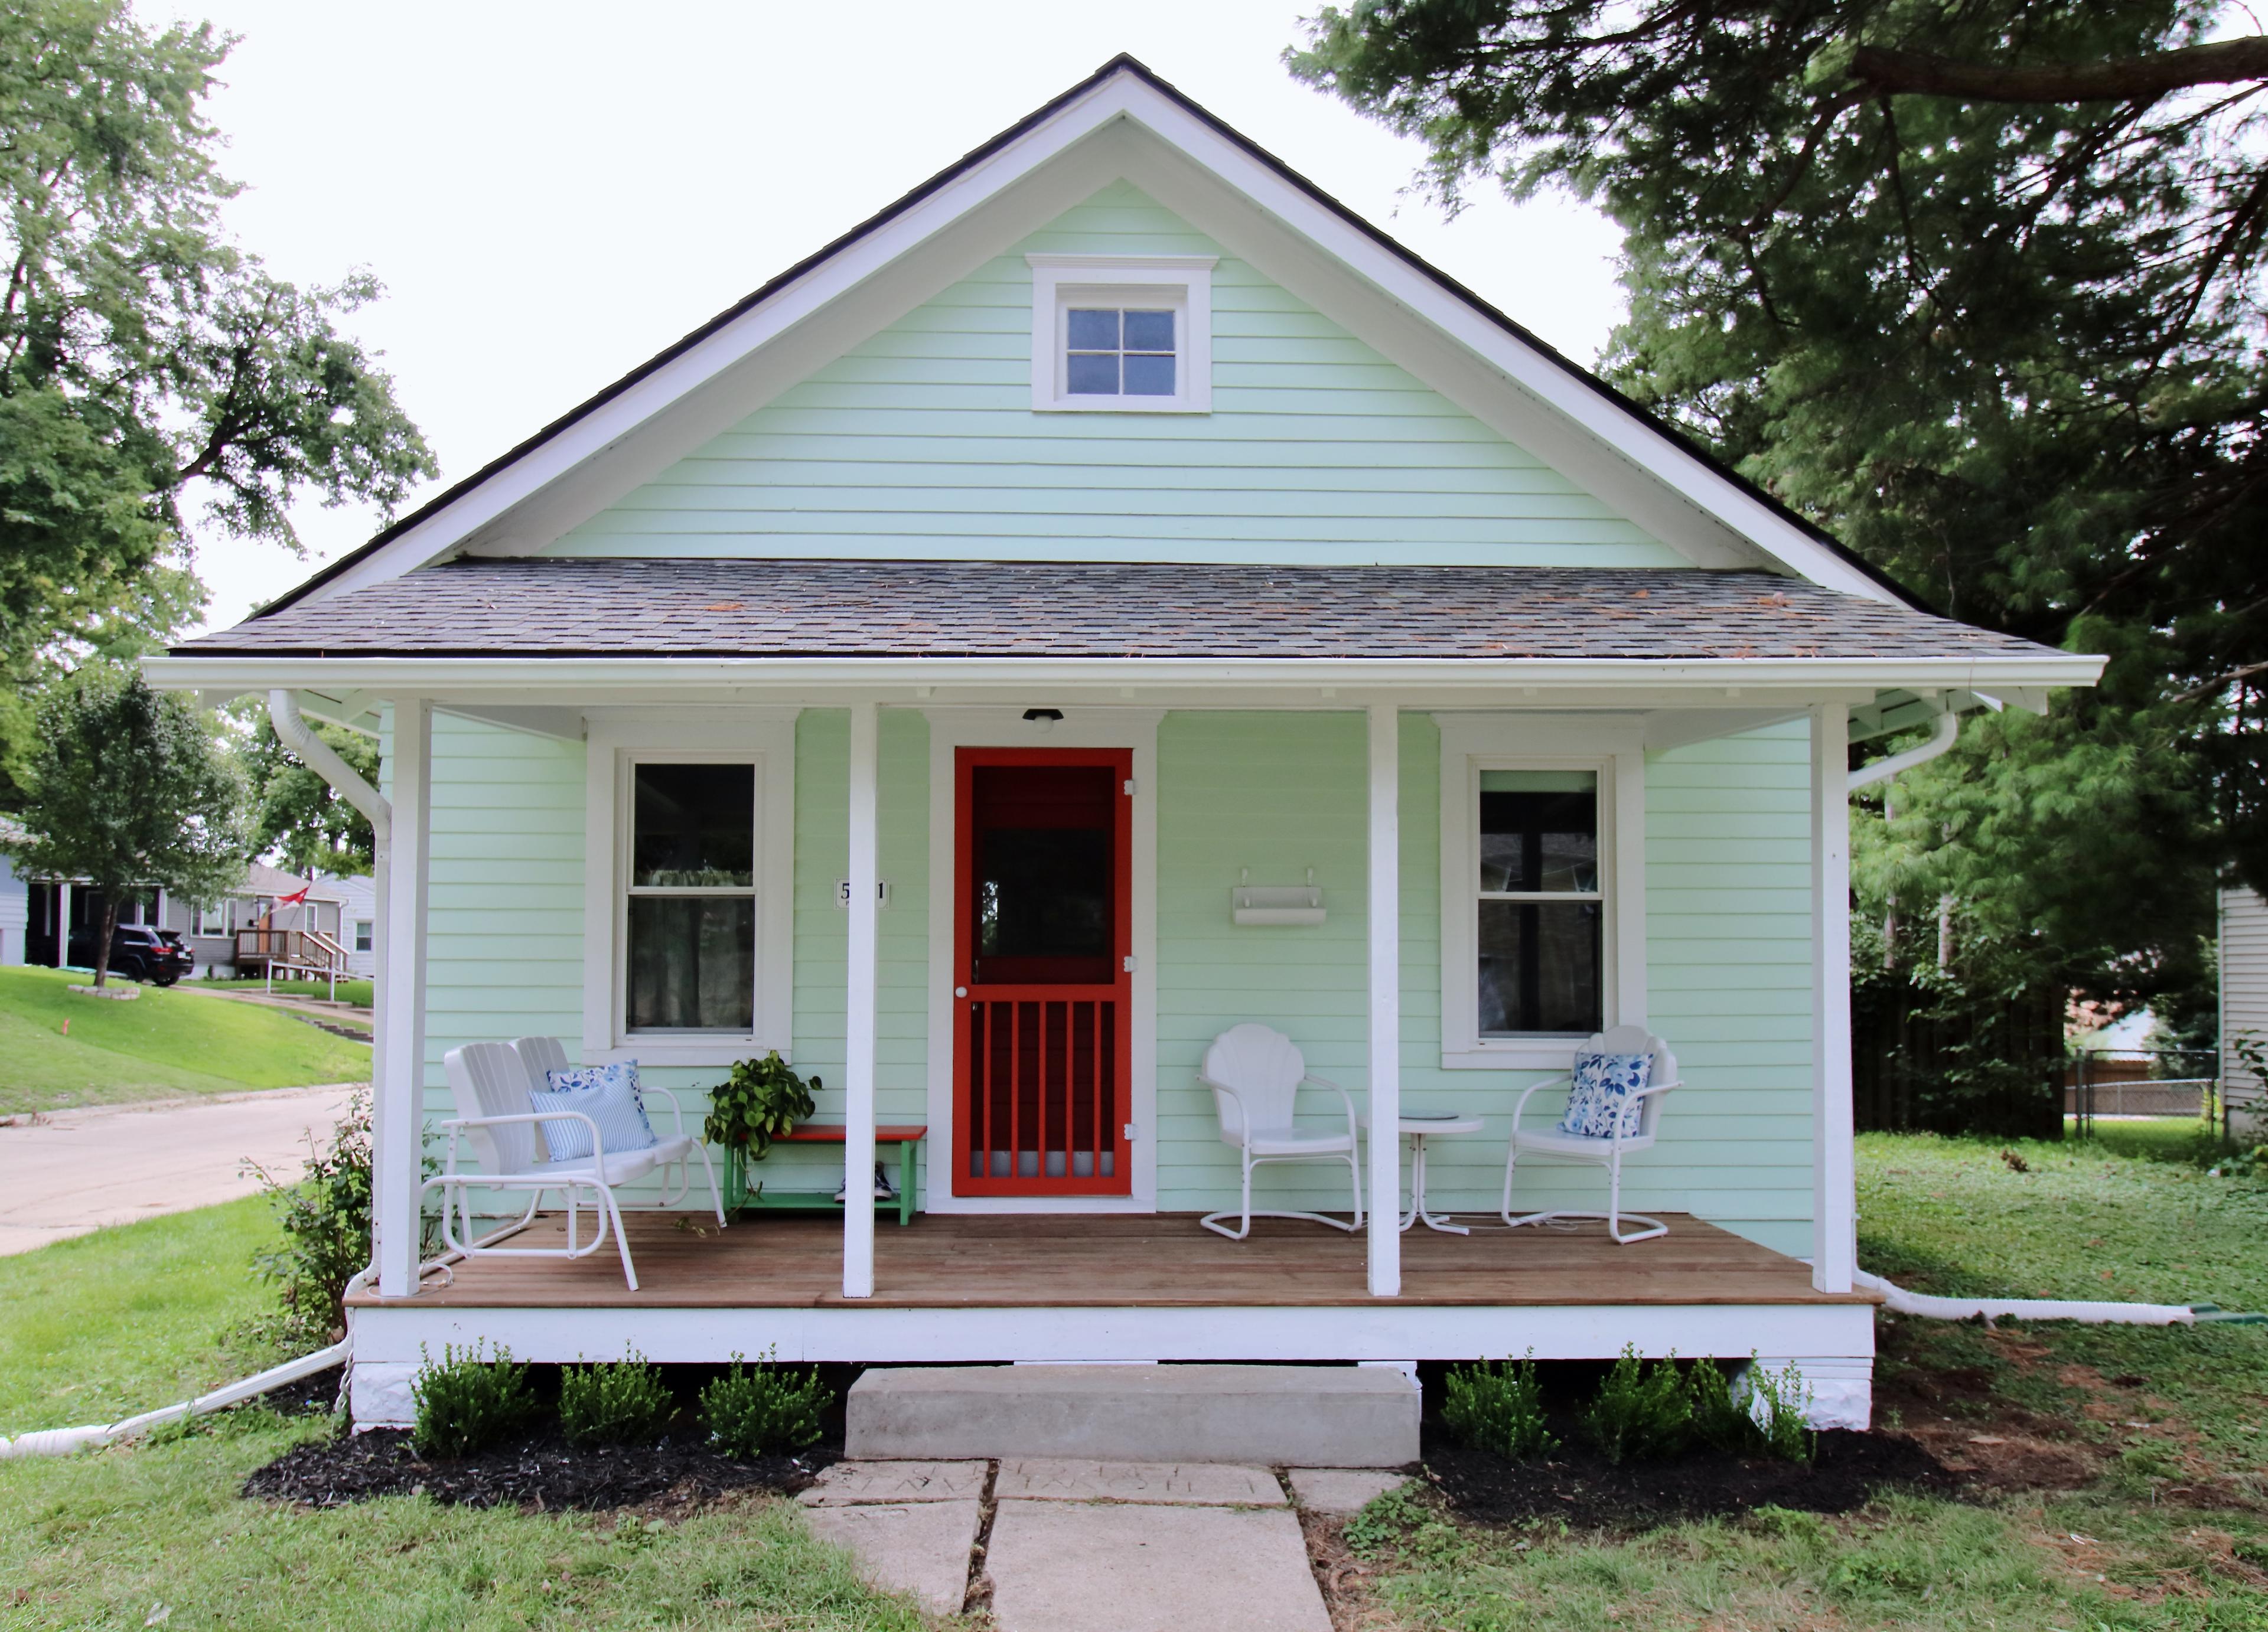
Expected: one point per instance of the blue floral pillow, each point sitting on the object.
(1601, 1093)
(608, 1095)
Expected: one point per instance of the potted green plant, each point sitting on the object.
(760, 1101)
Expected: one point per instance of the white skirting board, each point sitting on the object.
(1831, 1344)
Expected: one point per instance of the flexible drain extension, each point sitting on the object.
(2082, 1310)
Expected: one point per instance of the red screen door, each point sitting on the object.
(1041, 896)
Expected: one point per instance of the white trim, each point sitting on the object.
(764, 737)
(1610, 745)
(887, 1335)
(1182, 282)
(859, 1006)
(1383, 868)
(398, 1014)
(1132, 729)
(1835, 1200)
(1184, 162)
(1685, 682)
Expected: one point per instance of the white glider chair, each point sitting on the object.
(1641, 1113)
(492, 1080)
(676, 1148)
(1255, 1075)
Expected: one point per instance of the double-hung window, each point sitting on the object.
(689, 880)
(1122, 335)
(1542, 886)
(362, 935)
(691, 899)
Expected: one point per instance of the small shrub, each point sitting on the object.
(1720, 1421)
(751, 1413)
(467, 1403)
(624, 1402)
(325, 1218)
(1641, 1409)
(1497, 1405)
(1776, 1402)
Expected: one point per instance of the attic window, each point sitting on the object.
(1126, 336)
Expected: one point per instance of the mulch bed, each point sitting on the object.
(1581, 1487)
(541, 1472)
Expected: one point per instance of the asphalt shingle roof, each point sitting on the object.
(564, 606)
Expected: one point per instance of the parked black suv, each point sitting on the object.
(153, 955)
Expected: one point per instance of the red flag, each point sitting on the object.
(293, 901)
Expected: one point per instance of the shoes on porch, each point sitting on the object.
(884, 1190)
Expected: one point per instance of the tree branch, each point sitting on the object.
(1920, 73)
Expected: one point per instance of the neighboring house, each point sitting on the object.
(15, 901)
(902, 671)
(358, 930)
(235, 935)
(2244, 1010)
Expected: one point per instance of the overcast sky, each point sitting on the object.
(552, 193)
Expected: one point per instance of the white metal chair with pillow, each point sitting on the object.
(1612, 1110)
(676, 1148)
(1256, 1074)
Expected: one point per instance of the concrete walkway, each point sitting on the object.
(72, 1172)
(1093, 1547)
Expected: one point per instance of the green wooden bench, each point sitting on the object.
(761, 1198)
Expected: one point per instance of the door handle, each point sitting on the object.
(960, 991)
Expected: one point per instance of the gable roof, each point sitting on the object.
(609, 442)
(647, 606)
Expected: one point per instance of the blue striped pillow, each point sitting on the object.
(608, 1095)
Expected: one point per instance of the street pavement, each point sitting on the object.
(67, 1172)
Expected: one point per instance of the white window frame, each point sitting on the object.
(213, 920)
(362, 930)
(1181, 283)
(1613, 748)
(618, 740)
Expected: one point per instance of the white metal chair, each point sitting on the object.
(492, 1079)
(1256, 1074)
(542, 1056)
(1641, 1113)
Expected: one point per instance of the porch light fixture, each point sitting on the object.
(1042, 720)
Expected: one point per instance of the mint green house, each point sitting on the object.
(1113, 595)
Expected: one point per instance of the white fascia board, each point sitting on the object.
(616, 421)
(1712, 682)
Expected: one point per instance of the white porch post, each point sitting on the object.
(398, 1031)
(1385, 1002)
(1834, 1202)
(859, 1009)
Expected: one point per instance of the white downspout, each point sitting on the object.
(1948, 727)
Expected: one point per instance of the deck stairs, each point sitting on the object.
(1265, 1415)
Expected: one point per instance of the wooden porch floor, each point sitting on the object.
(1166, 1260)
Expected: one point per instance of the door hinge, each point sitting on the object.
(1131, 1135)
(1130, 787)
(1127, 963)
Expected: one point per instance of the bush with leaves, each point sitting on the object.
(1642, 1409)
(325, 1218)
(769, 1408)
(467, 1403)
(1497, 1405)
(624, 1402)
(1718, 1419)
(1778, 1403)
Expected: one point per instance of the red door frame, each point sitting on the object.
(1119, 993)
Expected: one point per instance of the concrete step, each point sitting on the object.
(1271, 1415)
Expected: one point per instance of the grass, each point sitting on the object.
(2169, 1530)
(155, 1535)
(357, 992)
(162, 1044)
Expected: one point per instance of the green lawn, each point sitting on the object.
(155, 1535)
(2165, 1524)
(163, 1043)
(355, 992)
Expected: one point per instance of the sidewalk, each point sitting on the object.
(75, 1171)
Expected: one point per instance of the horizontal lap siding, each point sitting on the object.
(1729, 978)
(921, 442)
(2243, 978)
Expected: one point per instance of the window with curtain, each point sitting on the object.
(692, 899)
(1542, 903)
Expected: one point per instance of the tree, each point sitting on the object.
(1973, 284)
(146, 361)
(300, 816)
(130, 792)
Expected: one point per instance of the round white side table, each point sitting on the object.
(1418, 1127)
